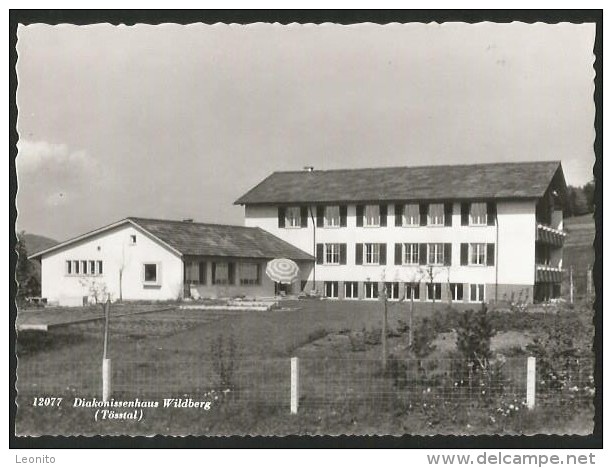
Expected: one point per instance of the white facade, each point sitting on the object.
(121, 257)
(513, 236)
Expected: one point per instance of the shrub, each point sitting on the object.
(423, 337)
(397, 371)
(316, 334)
(357, 341)
(474, 335)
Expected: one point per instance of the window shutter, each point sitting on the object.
(231, 273)
(319, 254)
(382, 251)
(359, 209)
(423, 214)
(464, 254)
(358, 254)
(304, 216)
(342, 254)
(383, 215)
(448, 214)
(213, 270)
(320, 213)
(490, 254)
(422, 254)
(398, 254)
(465, 214)
(448, 254)
(281, 217)
(259, 274)
(398, 214)
(342, 215)
(491, 213)
(202, 267)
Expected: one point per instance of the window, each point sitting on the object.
(68, 267)
(292, 217)
(332, 254)
(75, 267)
(435, 214)
(392, 290)
(221, 273)
(411, 215)
(195, 272)
(435, 254)
(332, 216)
(434, 291)
(150, 273)
(372, 216)
(83, 267)
(478, 254)
(249, 273)
(478, 214)
(351, 290)
(477, 292)
(456, 290)
(331, 289)
(100, 271)
(411, 254)
(133, 239)
(92, 267)
(370, 290)
(372, 254)
(412, 290)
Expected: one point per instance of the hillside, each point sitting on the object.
(578, 251)
(35, 243)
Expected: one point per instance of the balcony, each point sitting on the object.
(548, 274)
(551, 236)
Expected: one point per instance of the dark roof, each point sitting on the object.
(216, 240)
(523, 180)
(221, 240)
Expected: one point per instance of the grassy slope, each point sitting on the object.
(578, 251)
(168, 354)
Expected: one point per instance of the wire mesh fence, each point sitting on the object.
(323, 383)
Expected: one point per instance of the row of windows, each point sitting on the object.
(375, 215)
(408, 253)
(223, 273)
(433, 291)
(84, 267)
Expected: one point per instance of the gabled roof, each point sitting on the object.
(521, 180)
(221, 240)
(189, 238)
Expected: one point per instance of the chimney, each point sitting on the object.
(309, 168)
(188, 220)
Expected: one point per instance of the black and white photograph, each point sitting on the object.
(305, 229)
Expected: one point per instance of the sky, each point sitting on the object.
(177, 121)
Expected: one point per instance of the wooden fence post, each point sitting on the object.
(106, 379)
(531, 382)
(106, 362)
(571, 272)
(295, 384)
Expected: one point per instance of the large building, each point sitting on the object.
(465, 233)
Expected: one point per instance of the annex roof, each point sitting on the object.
(203, 239)
(518, 180)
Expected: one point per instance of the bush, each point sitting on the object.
(317, 334)
(423, 337)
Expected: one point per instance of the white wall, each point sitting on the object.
(114, 249)
(517, 230)
(516, 257)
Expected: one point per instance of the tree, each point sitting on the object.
(27, 283)
(589, 193)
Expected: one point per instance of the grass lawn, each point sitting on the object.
(169, 353)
